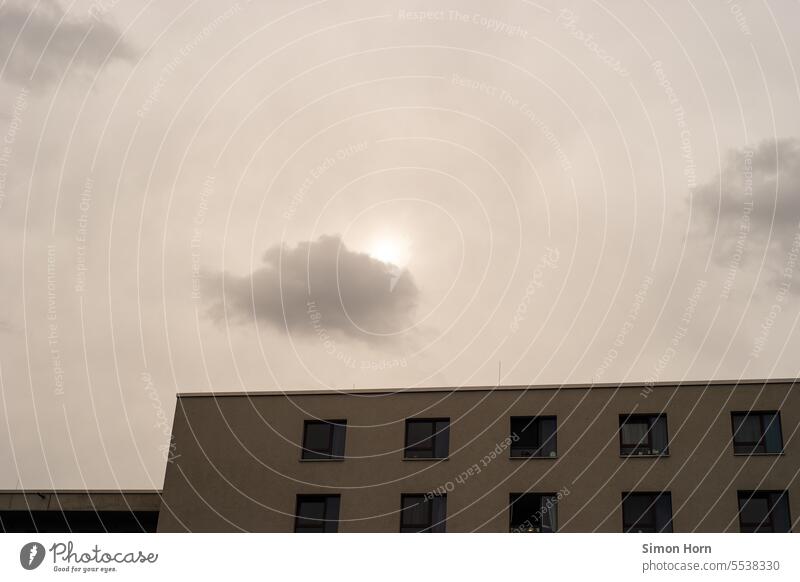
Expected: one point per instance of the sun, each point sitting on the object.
(390, 249)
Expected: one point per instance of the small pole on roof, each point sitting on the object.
(499, 369)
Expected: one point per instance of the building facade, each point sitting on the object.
(696, 456)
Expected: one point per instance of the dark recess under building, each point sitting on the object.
(58, 511)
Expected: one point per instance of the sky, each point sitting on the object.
(227, 196)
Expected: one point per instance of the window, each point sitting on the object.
(427, 438)
(647, 512)
(317, 514)
(533, 512)
(764, 511)
(535, 436)
(423, 513)
(756, 433)
(324, 439)
(643, 434)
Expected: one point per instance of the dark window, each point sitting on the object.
(324, 439)
(647, 512)
(757, 432)
(643, 434)
(764, 511)
(533, 436)
(317, 514)
(533, 512)
(427, 438)
(423, 513)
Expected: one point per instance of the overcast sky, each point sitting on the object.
(225, 196)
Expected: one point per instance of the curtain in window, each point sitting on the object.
(549, 514)
(415, 511)
(659, 435)
(772, 437)
(547, 437)
(441, 439)
(439, 513)
(337, 447)
(634, 433)
(747, 429)
(663, 510)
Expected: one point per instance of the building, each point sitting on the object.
(695, 456)
(58, 511)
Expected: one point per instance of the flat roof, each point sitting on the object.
(584, 386)
(81, 491)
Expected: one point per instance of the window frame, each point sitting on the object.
(534, 423)
(327, 525)
(773, 496)
(652, 419)
(307, 454)
(434, 437)
(429, 526)
(763, 438)
(628, 526)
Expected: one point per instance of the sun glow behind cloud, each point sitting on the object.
(392, 249)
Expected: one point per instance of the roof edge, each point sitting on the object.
(80, 491)
(579, 386)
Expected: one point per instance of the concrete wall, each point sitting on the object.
(237, 460)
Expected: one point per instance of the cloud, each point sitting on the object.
(752, 207)
(36, 58)
(756, 195)
(321, 286)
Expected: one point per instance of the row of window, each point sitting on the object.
(759, 511)
(535, 436)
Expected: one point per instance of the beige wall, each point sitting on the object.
(237, 460)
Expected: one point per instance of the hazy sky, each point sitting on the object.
(225, 196)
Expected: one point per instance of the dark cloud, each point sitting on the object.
(321, 286)
(39, 41)
(755, 197)
(752, 208)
